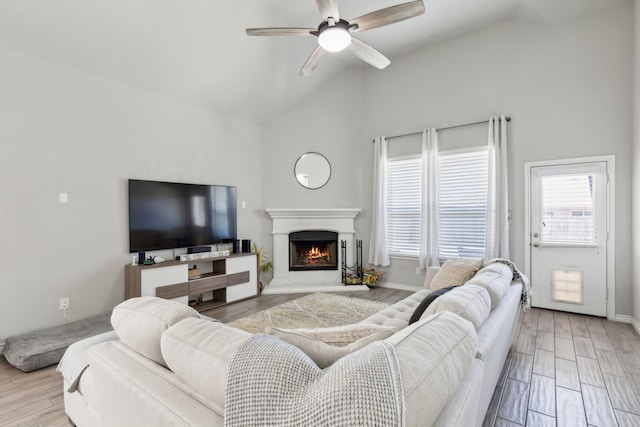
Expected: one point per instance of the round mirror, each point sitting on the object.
(312, 170)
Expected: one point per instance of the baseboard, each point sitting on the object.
(623, 318)
(400, 286)
(636, 325)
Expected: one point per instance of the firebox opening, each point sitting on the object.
(313, 250)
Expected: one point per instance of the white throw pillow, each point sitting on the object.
(469, 302)
(454, 272)
(326, 345)
(141, 321)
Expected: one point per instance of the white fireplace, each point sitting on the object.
(291, 220)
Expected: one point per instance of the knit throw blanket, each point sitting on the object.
(527, 291)
(273, 383)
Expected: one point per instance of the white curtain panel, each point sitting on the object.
(378, 252)
(497, 238)
(429, 225)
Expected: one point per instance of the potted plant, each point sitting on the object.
(264, 266)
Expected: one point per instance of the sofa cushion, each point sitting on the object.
(326, 345)
(495, 278)
(454, 272)
(140, 322)
(435, 355)
(397, 315)
(426, 302)
(198, 351)
(469, 302)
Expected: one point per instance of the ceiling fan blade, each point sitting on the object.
(368, 54)
(279, 31)
(328, 9)
(389, 15)
(312, 61)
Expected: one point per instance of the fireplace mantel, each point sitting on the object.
(288, 220)
(313, 213)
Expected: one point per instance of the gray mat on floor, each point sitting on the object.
(37, 349)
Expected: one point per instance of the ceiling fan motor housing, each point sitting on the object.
(330, 23)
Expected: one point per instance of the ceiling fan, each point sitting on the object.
(335, 34)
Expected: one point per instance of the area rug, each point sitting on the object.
(311, 311)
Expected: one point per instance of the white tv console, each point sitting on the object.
(224, 280)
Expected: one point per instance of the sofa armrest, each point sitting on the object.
(431, 272)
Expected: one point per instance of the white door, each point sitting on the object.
(568, 237)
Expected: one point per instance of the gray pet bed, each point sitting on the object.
(35, 350)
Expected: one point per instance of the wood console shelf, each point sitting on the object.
(224, 280)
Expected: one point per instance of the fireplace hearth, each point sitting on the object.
(313, 250)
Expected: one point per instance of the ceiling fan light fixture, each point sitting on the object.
(334, 39)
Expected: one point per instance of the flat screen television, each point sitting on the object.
(169, 215)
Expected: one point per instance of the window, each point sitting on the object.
(462, 198)
(404, 200)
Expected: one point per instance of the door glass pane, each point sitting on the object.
(568, 211)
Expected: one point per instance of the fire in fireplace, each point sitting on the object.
(313, 250)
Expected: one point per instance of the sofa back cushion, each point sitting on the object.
(469, 302)
(397, 315)
(435, 355)
(326, 345)
(198, 351)
(427, 301)
(141, 321)
(495, 278)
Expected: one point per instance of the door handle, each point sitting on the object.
(536, 244)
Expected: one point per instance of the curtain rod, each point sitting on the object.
(443, 129)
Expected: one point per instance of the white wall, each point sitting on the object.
(330, 123)
(635, 261)
(567, 87)
(66, 131)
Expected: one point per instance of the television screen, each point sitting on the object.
(169, 215)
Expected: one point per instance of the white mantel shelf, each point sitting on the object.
(313, 213)
(288, 220)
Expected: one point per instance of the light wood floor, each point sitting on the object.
(569, 370)
(33, 399)
(566, 370)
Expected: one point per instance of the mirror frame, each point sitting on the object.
(319, 157)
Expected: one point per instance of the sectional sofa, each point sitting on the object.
(164, 365)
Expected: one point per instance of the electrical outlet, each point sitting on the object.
(64, 303)
(418, 271)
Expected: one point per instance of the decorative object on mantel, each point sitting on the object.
(263, 265)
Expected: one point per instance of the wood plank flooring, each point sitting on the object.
(31, 399)
(569, 370)
(565, 370)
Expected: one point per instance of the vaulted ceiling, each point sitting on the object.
(197, 51)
